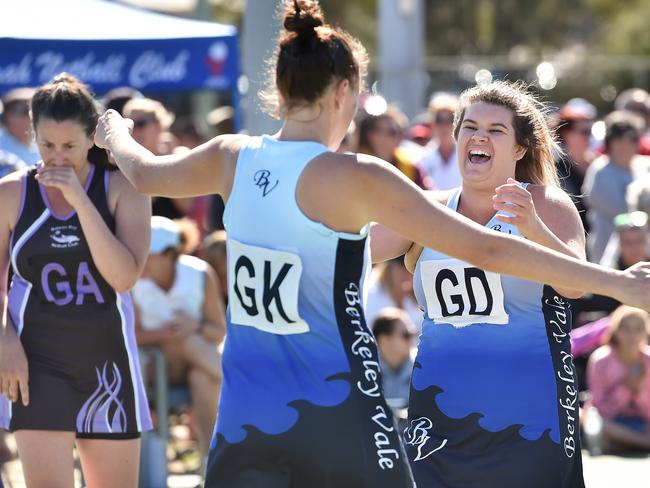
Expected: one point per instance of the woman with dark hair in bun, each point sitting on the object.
(76, 235)
(301, 402)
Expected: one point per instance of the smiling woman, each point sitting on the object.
(76, 236)
(512, 385)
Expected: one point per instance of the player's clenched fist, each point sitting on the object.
(109, 123)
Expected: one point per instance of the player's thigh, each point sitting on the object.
(108, 463)
(46, 457)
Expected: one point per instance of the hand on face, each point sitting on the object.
(516, 201)
(111, 123)
(65, 179)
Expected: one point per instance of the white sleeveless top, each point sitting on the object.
(187, 294)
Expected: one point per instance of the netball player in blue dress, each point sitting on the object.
(493, 399)
(76, 236)
(301, 402)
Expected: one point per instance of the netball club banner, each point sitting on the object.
(157, 64)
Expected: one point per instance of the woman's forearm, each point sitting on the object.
(113, 259)
(545, 237)
(131, 158)
(204, 170)
(518, 257)
(8, 330)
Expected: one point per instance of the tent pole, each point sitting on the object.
(259, 34)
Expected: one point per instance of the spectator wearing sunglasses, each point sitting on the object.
(574, 121)
(609, 175)
(440, 161)
(381, 135)
(150, 120)
(632, 240)
(394, 333)
(628, 246)
(16, 134)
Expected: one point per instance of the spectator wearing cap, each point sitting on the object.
(574, 121)
(629, 244)
(394, 333)
(420, 131)
(440, 159)
(637, 100)
(16, 135)
(609, 175)
(179, 309)
(627, 247)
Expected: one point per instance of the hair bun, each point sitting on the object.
(65, 78)
(303, 16)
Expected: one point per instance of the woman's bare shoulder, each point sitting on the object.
(11, 189)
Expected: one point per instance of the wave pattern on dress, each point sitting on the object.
(104, 412)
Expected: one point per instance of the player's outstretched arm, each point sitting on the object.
(206, 169)
(390, 198)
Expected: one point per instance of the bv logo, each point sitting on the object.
(417, 434)
(63, 236)
(263, 288)
(262, 181)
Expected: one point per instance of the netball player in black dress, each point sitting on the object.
(76, 236)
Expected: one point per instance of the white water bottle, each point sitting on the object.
(593, 429)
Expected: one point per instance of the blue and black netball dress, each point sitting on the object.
(77, 331)
(494, 398)
(301, 402)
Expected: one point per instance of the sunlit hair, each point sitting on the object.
(637, 194)
(149, 106)
(214, 247)
(190, 235)
(310, 57)
(530, 124)
(622, 315)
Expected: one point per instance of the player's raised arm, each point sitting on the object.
(391, 199)
(206, 169)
